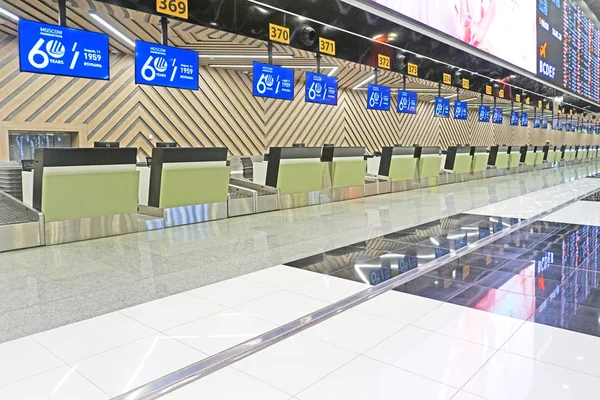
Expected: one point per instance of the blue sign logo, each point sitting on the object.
(321, 89)
(484, 113)
(460, 110)
(514, 118)
(407, 102)
(56, 50)
(524, 119)
(160, 65)
(378, 97)
(442, 107)
(545, 123)
(497, 116)
(272, 81)
(537, 121)
(559, 124)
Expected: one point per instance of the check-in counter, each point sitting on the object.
(297, 173)
(344, 171)
(480, 156)
(553, 155)
(499, 157)
(570, 153)
(430, 163)
(459, 160)
(86, 193)
(514, 157)
(540, 155)
(527, 155)
(188, 185)
(399, 165)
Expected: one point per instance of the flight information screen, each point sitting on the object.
(568, 48)
(568, 44)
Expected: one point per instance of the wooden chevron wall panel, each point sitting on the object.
(222, 113)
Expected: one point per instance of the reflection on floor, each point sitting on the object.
(547, 273)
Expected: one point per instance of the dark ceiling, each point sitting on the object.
(594, 6)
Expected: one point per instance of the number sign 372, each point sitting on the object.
(175, 8)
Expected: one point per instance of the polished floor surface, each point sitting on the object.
(460, 332)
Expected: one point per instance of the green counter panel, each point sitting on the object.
(429, 167)
(539, 158)
(462, 163)
(299, 177)
(502, 160)
(75, 196)
(188, 187)
(530, 158)
(514, 159)
(348, 173)
(479, 162)
(403, 168)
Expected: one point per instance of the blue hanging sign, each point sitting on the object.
(442, 107)
(497, 117)
(57, 50)
(559, 124)
(568, 127)
(514, 118)
(378, 97)
(545, 123)
(537, 123)
(524, 119)
(407, 102)
(272, 81)
(167, 66)
(321, 89)
(460, 110)
(484, 113)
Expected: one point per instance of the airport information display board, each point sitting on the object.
(165, 66)
(321, 89)
(272, 81)
(407, 102)
(514, 118)
(378, 97)
(497, 116)
(552, 38)
(484, 113)
(56, 50)
(441, 107)
(460, 110)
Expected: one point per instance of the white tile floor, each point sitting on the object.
(394, 346)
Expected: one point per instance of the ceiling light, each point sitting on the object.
(112, 29)
(8, 14)
(513, 76)
(369, 79)
(250, 56)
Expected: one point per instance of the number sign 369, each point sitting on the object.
(175, 8)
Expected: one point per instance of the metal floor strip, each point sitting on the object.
(175, 380)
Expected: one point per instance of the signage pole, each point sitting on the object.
(403, 82)
(62, 12)
(318, 63)
(376, 76)
(270, 52)
(457, 94)
(440, 89)
(164, 25)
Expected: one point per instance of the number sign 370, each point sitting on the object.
(176, 8)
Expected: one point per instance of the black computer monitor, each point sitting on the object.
(107, 144)
(166, 144)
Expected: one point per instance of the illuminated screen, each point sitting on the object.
(503, 28)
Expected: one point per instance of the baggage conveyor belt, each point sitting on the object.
(20, 226)
(11, 213)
